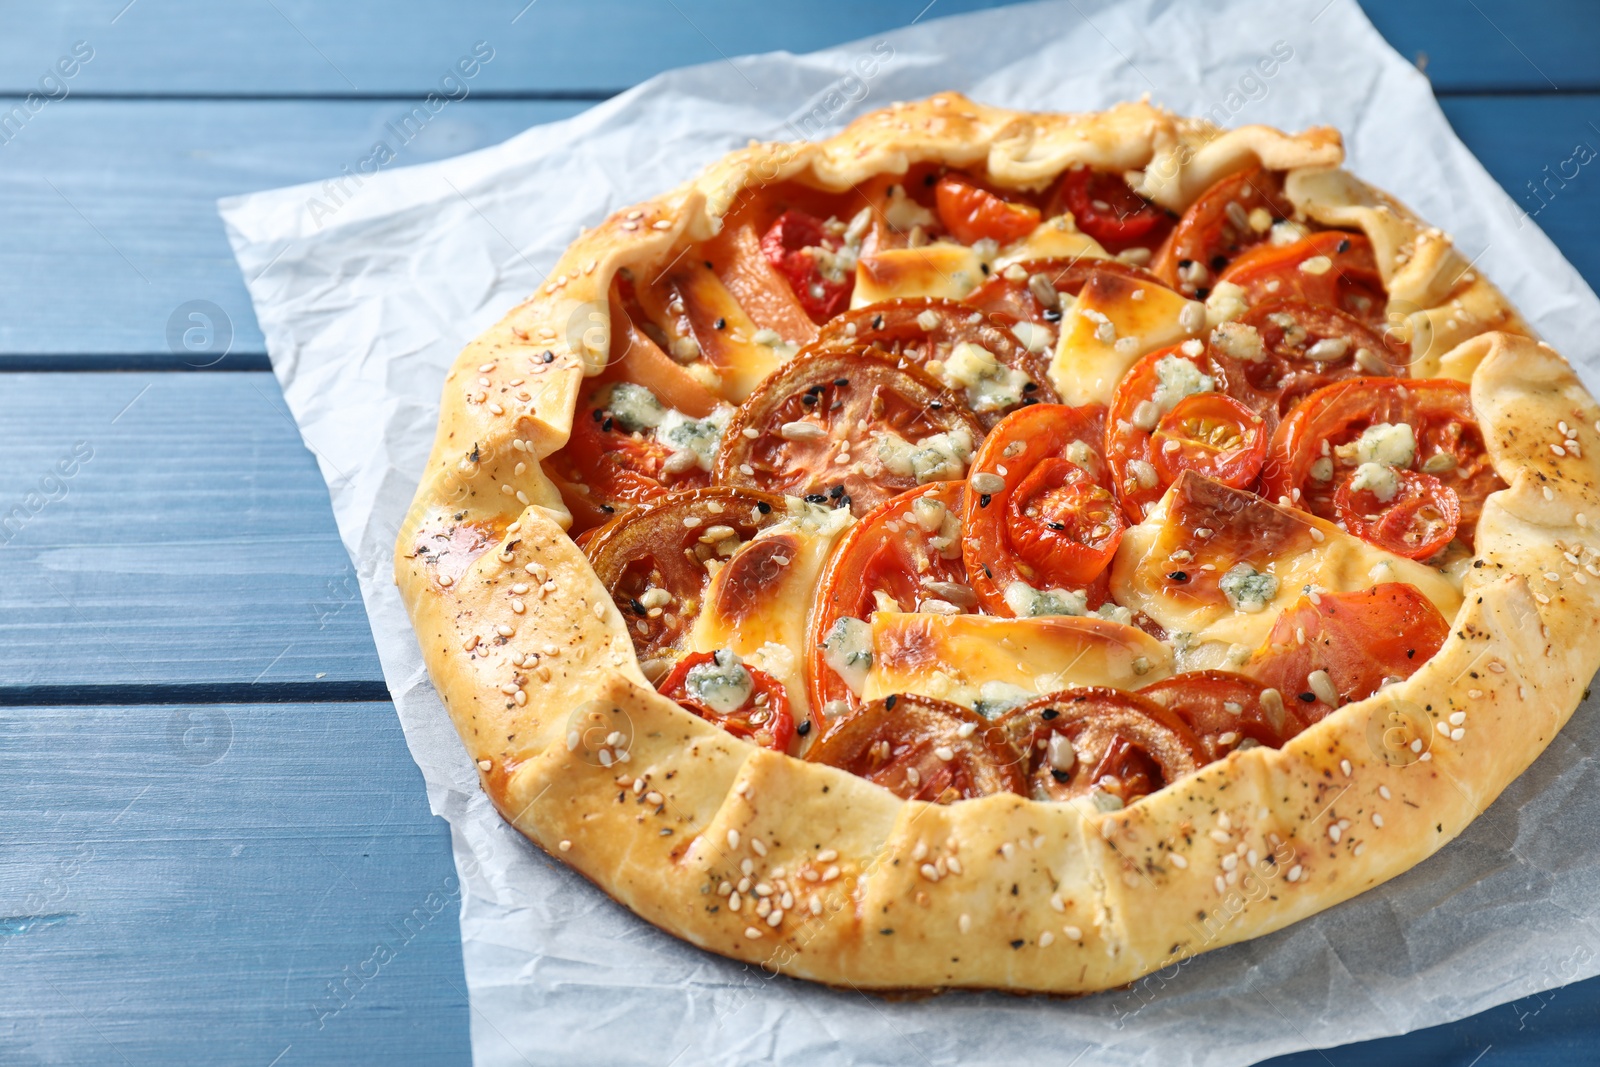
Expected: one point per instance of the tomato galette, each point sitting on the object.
(1006, 550)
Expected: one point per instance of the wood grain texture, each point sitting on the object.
(217, 884)
(191, 541)
(600, 46)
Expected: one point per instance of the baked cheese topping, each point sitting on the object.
(1115, 320)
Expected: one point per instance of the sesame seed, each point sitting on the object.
(775, 917)
(733, 839)
(1222, 886)
(1383, 791)
(1219, 837)
(446, 580)
(1377, 820)
(830, 874)
(752, 932)
(964, 924)
(653, 797)
(1335, 833)
(1443, 728)
(953, 863)
(930, 872)
(498, 410)
(735, 901)
(762, 889)
(1295, 872)
(520, 697)
(470, 643)
(504, 631)
(518, 606)
(1180, 862)
(1073, 933)
(1056, 902)
(747, 865)
(1457, 718)
(1229, 862)
(565, 846)
(1457, 734)
(984, 482)
(827, 855)
(1344, 765)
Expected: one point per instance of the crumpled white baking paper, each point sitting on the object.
(365, 307)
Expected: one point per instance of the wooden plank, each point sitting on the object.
(117, 250)
(600, 46)
(118, 242)
(168, 528)
(219, 884)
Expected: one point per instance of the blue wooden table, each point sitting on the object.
(214, 846)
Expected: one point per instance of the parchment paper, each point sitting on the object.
(364, 309)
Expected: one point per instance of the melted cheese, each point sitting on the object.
(1109, 329)
(758, 603)
(1161, 568)
(952, 657)
(689, 302)
(1057, 238)
(940, 270)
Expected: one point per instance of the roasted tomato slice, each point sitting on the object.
(653, 561)
(1414, 517)
(1110, 745)
(1303, 347)
(1327, 435)
(919, 748)
(745, 701)
(1213, 435)
(1107, 210)
(801, 249)
(1153, 389)
(1232, 216)
(1331, 268)
(972, 213)
(1353, 643)
(1226, 710)
(1048, 520)
(939, 337)
(1031, 291)
(903, 556)
(615, 458)
(850, 429)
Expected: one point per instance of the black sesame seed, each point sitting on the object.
(877, 322)
(987, 573)
(638, 608)
(1309, 698)
(1029, 401)
(598, 414)
(721, 324)
(841, 382)
(608, 509)
(606, 426)
(844, 501)
(1018, 943)
(929, 178)
(1049, 713)
(804, 728)
(984, 267)
(1056, 525)
(1029, 387)
(1218, 262)
(763, 507)
(983, 501)
(709, 266)
(1202, 292)
(1410, 653)
(549, 357)
(1052, 315)
(937, 405)
(809, 400)
(1179, 576)
(1344, 246)
(1060, 776)
(816, 498)
(1185, 264)
(889, 702)
(836, 492)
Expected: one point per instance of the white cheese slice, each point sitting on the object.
(758, 603)
(952, 657)
(1205, 531)
(939, 270)
(1116, 320)
(1057, 238)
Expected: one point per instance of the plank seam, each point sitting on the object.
(347, 692)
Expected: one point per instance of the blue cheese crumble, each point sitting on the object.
(939, 457)
(722, 684)
(634, 407)
(1378, 478)
(1248, 589)
(847, 650)
(694, 442)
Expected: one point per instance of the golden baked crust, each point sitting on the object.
(659, 808)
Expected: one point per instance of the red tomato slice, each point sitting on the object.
(1307, 346)
(1218, 227)
(1107, 210)
(920, 330)
(1013, 296)
(1359, 639)
(790, 245)
(1102, 741)
(1140, 407)
(1226, 709)
(824, 428)
(972, 213)
(764, 717)
(922, 749)
(1331, 268)
(1213, 435)
(1419, 520)
(616, 470)
(1047, 521)
(906, 553)
(1438, 410)
(653, 549)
